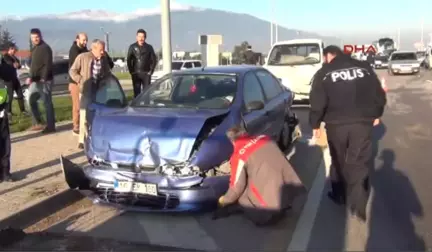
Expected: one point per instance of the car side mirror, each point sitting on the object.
(254, 105)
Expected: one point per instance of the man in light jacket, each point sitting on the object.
(87, 70)
(263, 182)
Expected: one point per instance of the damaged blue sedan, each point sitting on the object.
(166, 150)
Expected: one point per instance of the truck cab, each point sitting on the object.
(295, 62)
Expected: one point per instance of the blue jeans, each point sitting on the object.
(41, 90)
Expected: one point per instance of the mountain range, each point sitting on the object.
(187, 23)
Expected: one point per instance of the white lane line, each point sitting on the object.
(305, 224)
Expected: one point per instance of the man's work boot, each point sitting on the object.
(81, 146)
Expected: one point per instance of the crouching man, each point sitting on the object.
(263, 184)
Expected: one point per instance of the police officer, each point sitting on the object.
(347, 95)
(141, 62)
(5, 144)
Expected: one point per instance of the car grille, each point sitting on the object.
(162, 201)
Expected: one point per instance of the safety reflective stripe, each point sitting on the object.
(257, 195)
(239, 169)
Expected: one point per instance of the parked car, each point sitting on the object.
(167, 149)
(403, 63)
(61, 77)
(176, 65)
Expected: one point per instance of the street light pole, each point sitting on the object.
(106, 38)
(166, 36)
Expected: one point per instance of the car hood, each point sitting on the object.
(147, 137)
(398, 62)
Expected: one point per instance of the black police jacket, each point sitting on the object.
(345, 91)
(141, 59)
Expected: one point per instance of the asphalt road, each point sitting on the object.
(400, 214)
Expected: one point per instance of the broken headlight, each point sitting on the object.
(179, 169)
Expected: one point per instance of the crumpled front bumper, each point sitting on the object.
(174, 194)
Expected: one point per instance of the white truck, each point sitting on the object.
(295, 62)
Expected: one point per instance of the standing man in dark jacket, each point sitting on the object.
(249, 56)
(263, 183)
(347, 95)
(5, 143)
(79, 46)
(141, 62)
(40, 82)
(10, 64)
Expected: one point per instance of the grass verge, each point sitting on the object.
(122, 76)
(62, 108)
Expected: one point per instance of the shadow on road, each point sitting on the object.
(22, 174)
(39, 134)
(387, 209)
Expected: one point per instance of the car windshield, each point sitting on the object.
(404, 56)
(198, 91)
(295, 54)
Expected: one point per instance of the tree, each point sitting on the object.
(239, 50)
(5, 39)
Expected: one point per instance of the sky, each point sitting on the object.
(339, 17)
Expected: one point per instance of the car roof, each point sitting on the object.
(299, 41)
(232, 69)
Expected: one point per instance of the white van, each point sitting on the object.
(295, 62)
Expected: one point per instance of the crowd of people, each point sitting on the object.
(87, 69)
(350, 107)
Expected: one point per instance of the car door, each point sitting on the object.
(276, 101)
(256, 122)
(108, 97)
(61, 72)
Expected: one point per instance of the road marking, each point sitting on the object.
(429, 81)
(305, 224)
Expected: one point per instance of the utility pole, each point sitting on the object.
(276, 23)
(271, 23)
(106, 39)
(422, 32)
(398, 39)
(166, 36)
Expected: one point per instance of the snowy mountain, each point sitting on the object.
(188, 23)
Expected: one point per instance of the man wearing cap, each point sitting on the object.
(5, 143)
(347, 95)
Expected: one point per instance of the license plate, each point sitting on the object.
(135, 187)
(406, 69)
